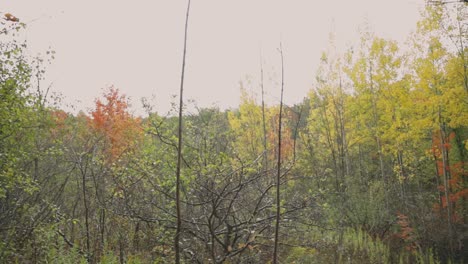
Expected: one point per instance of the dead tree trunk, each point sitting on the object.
(265, 151)
(179, 149)
(278, 175)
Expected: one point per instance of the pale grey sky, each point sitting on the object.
(137, 45)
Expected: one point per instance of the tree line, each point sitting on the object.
(371, 165)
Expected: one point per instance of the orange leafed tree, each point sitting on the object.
(112, 120)
(58, 118)
(406, 232)
(287, 142)
(455, 188)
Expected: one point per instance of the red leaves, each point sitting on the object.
(58, 118)
(438, 144)
(454, 191)
(112, 119)
(455, 197)
(406, 232)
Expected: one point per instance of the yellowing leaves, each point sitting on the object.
(247, 127)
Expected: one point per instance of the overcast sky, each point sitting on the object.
(137, 45)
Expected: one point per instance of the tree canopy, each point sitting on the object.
(372, 166)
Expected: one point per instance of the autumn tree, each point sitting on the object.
(113, 122)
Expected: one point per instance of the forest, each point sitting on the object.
(371, 167)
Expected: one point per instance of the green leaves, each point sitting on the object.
(14, 114)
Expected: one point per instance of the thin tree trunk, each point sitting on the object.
(179, 150)
(265, 154)
(121, 250)
(102, 220)
(85, 204)
(136, 238)
(446, 174)
(342, 128)
(278, 175)
(462, 53)
(437, 177)
(376, 121)
(377, 136)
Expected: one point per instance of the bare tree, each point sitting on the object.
(278, 175)
(265, 150)
(179, 149)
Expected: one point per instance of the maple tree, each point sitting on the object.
(120, 130)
